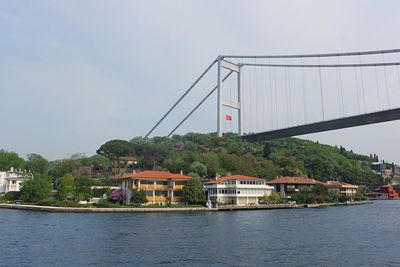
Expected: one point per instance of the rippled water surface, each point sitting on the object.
(367, 235)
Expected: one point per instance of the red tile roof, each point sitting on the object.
(234, 177)
(339, 184)
(156, 175)
(294, 180)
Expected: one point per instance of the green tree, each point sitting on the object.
(334, 195)
(116, 148)
(12, 195)
(359, 196)
(59, 168)
(138, 197)
(10, 159)
(193, 192)
(82, 188)
(36, 164)
(199, 168)
(273, 198)
(66, 187)
(37, 189)
(267, 150)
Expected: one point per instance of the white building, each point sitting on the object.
(237, 190)
(11, 180)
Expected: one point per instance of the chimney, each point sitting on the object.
(181, 172)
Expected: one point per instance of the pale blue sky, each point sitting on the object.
(75, 74)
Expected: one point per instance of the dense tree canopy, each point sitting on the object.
(116, 148)
(83, 188)
(209, 155)
(36, 163)
(10, 159)
(138, 197)
(37, 189)
(193, 192)
(66, 187)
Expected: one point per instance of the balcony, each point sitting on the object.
(157, 199)
(154, 187)
(163, 199)
(176, 199)
(178, 187)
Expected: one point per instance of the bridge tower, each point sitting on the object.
(221, 101)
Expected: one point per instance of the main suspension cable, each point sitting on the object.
(363, 53)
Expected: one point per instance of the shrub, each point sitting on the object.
(138, 197)
(104, 203)
(45, 203)
(117, 196)
(13, 195)
(100, 192)
(66, 203)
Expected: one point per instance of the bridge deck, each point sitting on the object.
(364, 119)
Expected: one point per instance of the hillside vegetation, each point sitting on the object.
(209, 155)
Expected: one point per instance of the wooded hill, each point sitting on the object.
(209, 155)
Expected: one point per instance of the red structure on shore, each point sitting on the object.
(389, 190)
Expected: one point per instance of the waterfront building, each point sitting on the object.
(161, 187)
(389, 190)
(386, 170)
(237, 190)
(376, 196)
(11, 180)
(396, 169)
(289, 185)
(379, 166)
(343, 189)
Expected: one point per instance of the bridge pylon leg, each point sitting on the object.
(219, 99)
(240, 111)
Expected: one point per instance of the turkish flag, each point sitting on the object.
(228, 117)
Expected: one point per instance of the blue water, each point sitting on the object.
(367, 235)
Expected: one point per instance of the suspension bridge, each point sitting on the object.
(264, 97)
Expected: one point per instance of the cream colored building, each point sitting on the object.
(237, 190)
(342, 188)
(161, 187)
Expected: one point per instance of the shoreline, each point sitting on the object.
(158, 210)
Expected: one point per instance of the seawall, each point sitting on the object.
(145, 210)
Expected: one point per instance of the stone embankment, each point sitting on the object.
(189, 209)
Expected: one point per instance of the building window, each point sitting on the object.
(147, 182)
(161, 193)
(13, 182)
(180, 183)
(178, 193)
(149, 193)
(162, 182)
